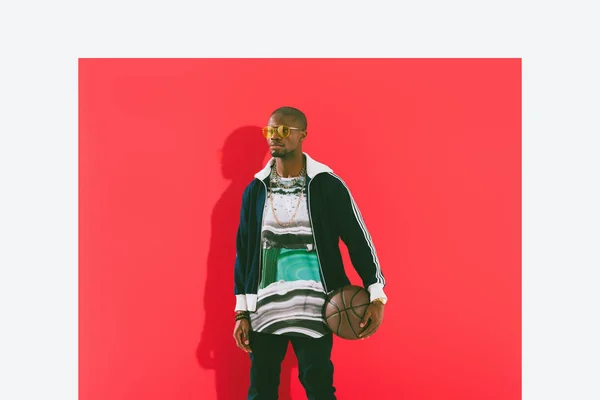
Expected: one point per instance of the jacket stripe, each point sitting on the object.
(363, 227)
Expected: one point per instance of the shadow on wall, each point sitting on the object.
(243, 154)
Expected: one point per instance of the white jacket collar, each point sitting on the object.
(312, 168)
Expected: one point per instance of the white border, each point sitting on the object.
(38, 151)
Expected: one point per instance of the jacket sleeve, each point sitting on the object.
(354, 233)
(241, 254)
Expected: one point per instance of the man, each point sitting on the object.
(288, 259)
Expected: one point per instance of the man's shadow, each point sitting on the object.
(242, 155)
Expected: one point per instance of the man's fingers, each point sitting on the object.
(238, 342)
(241, 335)
(369, 330)
(240, 338)
(246, 341)
(365, 318)
(366, 332)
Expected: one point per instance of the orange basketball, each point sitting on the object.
(344, 309)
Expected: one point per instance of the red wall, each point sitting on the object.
(431, 150)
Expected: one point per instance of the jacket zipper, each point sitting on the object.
(313, 233)
(260, 247)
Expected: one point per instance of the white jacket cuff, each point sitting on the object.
(240, 302)
(245, 302)
(376, 291)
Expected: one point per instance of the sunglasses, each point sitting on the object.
(283, 131)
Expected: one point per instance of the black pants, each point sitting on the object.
(315, 368)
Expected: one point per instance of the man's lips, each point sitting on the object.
(276, 145)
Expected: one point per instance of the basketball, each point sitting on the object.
(344, 309)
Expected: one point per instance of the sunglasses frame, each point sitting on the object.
(268, 131)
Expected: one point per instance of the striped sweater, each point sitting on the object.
(291, 295)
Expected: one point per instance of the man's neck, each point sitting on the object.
(290, 167)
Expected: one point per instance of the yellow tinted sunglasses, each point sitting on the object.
(283, 131)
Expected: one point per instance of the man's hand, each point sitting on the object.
(375, 314)
(241, 334)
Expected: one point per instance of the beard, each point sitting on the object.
(278, 153)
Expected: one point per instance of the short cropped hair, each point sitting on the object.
(294, 113)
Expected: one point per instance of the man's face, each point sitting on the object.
(279, 146)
